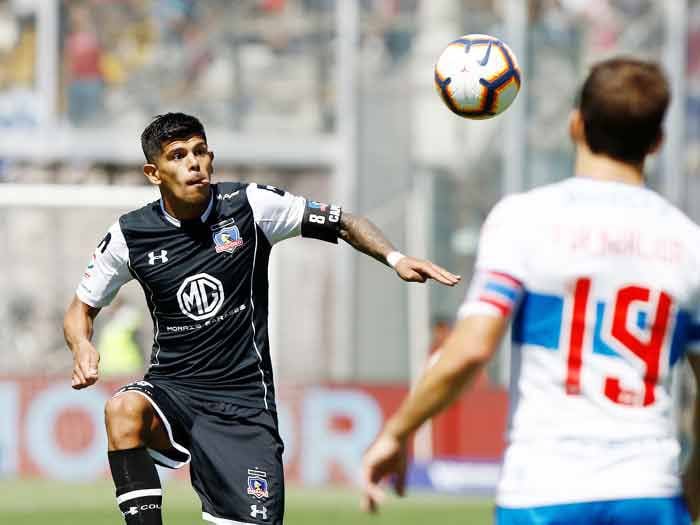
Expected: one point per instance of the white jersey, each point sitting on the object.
(603, 282)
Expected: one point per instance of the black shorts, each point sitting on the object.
(235, 454)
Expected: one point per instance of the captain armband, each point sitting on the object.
(321, 221)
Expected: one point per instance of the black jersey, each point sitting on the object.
(205, 283)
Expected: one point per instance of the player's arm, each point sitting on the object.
(360, 233)
(77, 330)
(691, 477)
(281, 215)
(107, 271)
(494, 294)
(473, 342)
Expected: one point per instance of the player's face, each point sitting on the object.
(183, 170)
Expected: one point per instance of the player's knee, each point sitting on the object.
(125, 419)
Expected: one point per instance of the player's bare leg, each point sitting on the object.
(132, 424)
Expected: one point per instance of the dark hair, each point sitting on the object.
(166, 128)
(623, 102)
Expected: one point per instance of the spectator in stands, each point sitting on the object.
(82, 68)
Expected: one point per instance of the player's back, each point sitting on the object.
(610, 287)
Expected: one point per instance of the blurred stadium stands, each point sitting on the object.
(79, 79)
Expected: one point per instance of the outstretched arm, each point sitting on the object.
(364, 236)
(77, 330)
(469, 347)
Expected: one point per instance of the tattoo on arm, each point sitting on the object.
(364, 236)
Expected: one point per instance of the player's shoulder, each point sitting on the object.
(257, 189)
(516, 206)
(671, 217)
(681, 217)
(673, 211)
(267, 197)
(547, 194)
(223, 188)
(145, 217)
(674, 222)
(532, 207)
(229, 193)
(683, 223)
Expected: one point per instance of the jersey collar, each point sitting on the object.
(176, 222)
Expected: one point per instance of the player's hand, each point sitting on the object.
(691, 490)
(85, 362)
(386, 456)
(418, 271)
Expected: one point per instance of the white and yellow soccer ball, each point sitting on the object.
(477, 76)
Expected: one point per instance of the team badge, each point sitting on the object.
(226, 237)
(257, 484)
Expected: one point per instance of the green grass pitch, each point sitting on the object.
(50, 503)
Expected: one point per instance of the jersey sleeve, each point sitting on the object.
(281, 215)
(278, 213)
(107, 271)
(497, 285)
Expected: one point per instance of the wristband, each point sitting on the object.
(394, 257)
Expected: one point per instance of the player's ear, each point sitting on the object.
(151, 173)
(576, 131)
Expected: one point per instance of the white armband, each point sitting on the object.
(394, 257)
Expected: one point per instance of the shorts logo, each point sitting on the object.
(226, 236)
(254, 512)
(200, 296)
(257, 484)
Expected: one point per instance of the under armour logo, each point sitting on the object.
(163, 257)
(227, 196)
(254, 512)
(133, 511)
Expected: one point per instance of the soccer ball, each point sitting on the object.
(477, 76)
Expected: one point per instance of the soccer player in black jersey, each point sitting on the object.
(200, 253)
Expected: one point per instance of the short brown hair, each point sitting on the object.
(623, 102)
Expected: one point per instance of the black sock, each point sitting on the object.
(139, 494)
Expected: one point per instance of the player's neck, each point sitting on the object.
(604, 168)
(184, 211)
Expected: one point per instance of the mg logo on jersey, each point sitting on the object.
(163, 257)
(200, 296)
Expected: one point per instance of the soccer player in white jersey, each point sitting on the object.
(600, 277)
(200, 253)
